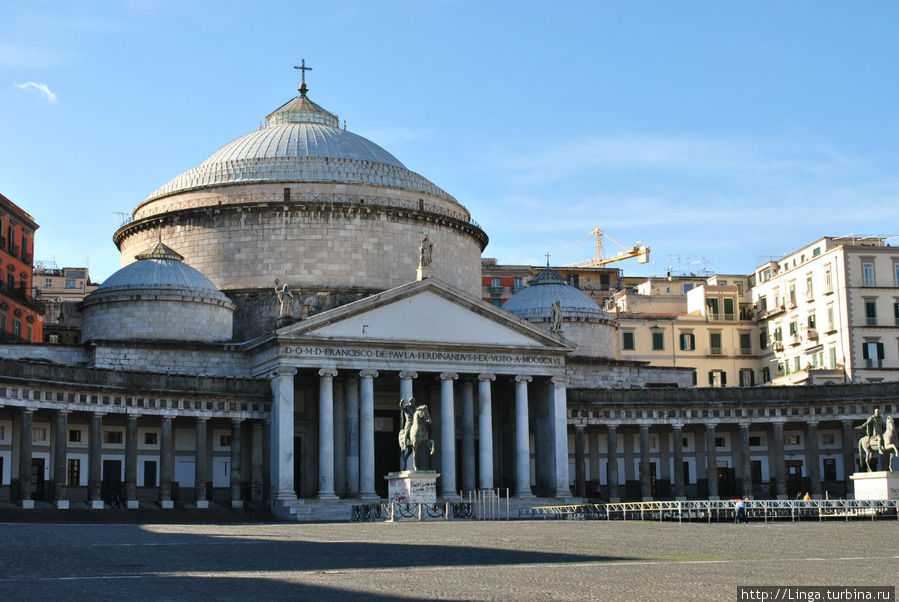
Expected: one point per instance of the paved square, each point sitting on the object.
(563, 560)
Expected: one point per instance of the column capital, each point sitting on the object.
(332, 372)
(368, 374)
(677, 425)
(98, 415)
(448, 376)
(779, 422)
(205, 418)
(62, 412)
(408, 374)
(813, 421)
(744, 424)
(559, 381)
(643, 427)
(523, 378)
(166, 417)
(131, 416)
(579, 426)
(28, 410)
(710, 426)
(486, 376)
(237, 420)
(281, 370)
(611, 427)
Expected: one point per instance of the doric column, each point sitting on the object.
(780, 468)
(559, 417)
(339, 438)
(485, 430)
(201, 461)
(711, 460)
(850, 457)
(281, 439)
(326, 434)
(447, 435)
(406, 378)
(367, 434)
(25, 441)
(580, 476)
(352, 435)
(745, 464)
(468, 468)
(166, 463)
(257, 461)
(677, 445)
(131, 462)
(593, 454)
(645, 480)
(94, 461)
(522, 440)
(59, 459)
(811, 455)
(612, 462)
(236, 482)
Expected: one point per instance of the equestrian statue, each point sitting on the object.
(414, 433)
(879, 439)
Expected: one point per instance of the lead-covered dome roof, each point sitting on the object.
(301, 141)
(535, 302)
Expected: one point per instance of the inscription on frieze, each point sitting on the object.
(419, 355)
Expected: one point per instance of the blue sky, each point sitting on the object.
(720, 134)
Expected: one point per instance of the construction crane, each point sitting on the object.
(641, 252)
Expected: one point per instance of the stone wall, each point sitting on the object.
(315, 246)
(594, 338)
(70, 355)
(583, 373)
(149, 317)
(174, 359)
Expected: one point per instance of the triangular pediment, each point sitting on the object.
(429, 311)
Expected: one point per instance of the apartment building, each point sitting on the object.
(20, 316)
(61, 284)
(830, 312)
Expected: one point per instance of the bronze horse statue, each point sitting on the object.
(414, 433)
(872, 444)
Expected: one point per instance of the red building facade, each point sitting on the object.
(20, 316)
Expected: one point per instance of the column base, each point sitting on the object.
(680, 498)
(327, 495)
(646, 498)
(62, 504)
(97, 505)
(28, 504)
(524, 495)
(371, 495)
(235, 504)
(166, 504)
(714, 497)
(202, 504)
(614, 500)
(132, 504)
(782, 497)
(285, 495)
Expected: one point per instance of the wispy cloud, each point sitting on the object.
(41, 88)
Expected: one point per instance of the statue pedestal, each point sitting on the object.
(412, 487)
(423, 272)
(879, 485)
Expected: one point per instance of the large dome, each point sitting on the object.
(315, 149)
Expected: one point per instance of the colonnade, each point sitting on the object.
(586, 438)
(95, 449)
(346, 432)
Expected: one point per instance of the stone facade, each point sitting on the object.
(157, 319)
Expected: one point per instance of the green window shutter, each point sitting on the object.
(880, 354)
(723, 378)
(865, 351)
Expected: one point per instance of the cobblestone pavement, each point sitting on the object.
(540, 560)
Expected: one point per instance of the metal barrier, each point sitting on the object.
(488, 504)
(718, 510)
(421, 511)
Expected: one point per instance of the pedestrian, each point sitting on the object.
(740, 511)
(799, 496)
(807, 497)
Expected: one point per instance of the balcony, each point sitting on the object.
(715, 351)
(831, 328)
(771, 312)
(729, 317)
(809, 297)
(713, 316)
(496, 290)
(791, 304)
(517, 288)
(869, 321)
(745, 350)
(828, 290)
(812, 334)
(778, 346)
(795, 339)
(27, 257)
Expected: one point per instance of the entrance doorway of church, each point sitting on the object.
(794, 477)
(111, 484)
(387, 451)
(726, 482)
(37, 478)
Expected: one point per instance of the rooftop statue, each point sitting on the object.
(557, 317)
(414, 433)
(425, 252)
(879, 438)
(285, 298)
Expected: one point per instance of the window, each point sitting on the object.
(717, 378)
(766, 374)
(728, 309)
(150, 473)
(797, 364)
(792, 439)
(658, 341)
(811, 322)
(872, 353)
(73, 470)
(497, 302)
(75, 436)
(794, 328)
(747, 377)
(695, 378)
(755, 441)
(793, 292)
(828, 280)
(687, 341)
(2, 322)
(830, 469)
(494, 282)
(48, 283)
(867, 273)
(39, 433)
(17, 327)
(70, 283)
(627, 341)
(745, 343)
(739, 288)
(896, 312)
(517, 282)
(225, 441)
(712, 305)
(896, 274)
(833, 358)
(755, 471)
(870, 312)
(763, 339)
(715, 343)
(688, 286)
(830, 322)
(720, 442)
(828, 439)
(112, 437)
(29, 332)
(151, 438)
(809, 288)
(816, 251)
(778, 334)
(604, 282)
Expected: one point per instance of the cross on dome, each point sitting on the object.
(303, 69)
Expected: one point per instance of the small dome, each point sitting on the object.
(158, 297)
(536, 301)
